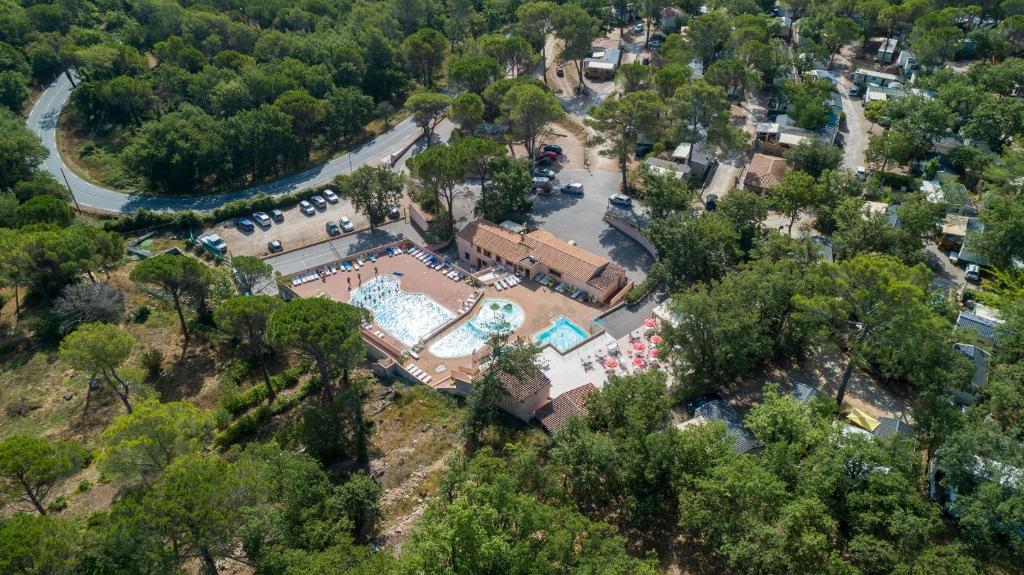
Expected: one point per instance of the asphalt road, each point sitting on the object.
(42, 120)
(855, 139)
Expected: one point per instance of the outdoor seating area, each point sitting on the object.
(508, 281)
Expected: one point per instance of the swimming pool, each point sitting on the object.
(495, 315)
(406, 316)
(563, 334)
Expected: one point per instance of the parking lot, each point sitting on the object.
(296, 230)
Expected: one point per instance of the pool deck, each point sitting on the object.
(541, 305)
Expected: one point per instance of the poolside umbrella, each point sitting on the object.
(655, 339)
(638, 345)
(654, 352)
(639, 361)
(611, 363)
(649, 322)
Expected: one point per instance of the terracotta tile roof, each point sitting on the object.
(495, 239)
(553, 414)
(521, 388)
(571, 261)
(765, 171)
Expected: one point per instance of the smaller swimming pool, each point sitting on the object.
(563, 334)
(495, 316)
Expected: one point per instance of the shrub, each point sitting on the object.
(84, 485)
(152, 360)
(141, 314)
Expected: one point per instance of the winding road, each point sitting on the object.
(42, 120)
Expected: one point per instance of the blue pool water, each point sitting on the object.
(563, 334)
(406, 316)
(495, 315)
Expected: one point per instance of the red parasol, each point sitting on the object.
(655, 339)
(654, 352)
(650, 322)
(639, 361)
(638, 345)
(611, 363)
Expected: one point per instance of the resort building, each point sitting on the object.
(534, 254)
(523, 395)
(763, 172)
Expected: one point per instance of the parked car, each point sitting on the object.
(546, 154)
(332, 229)
(973, 273)
(346, 224)
(696, 403)
(559, 71)
(862, 172)
(541, 184)
(393, 213)
(711, 202)
(954, 257)
(621, 200)
(638, 29)
(854, 92)
(655, 43)
(553, 148)
(543, 173)
(319, 202)
(274, 246)
(244, 224)
(277, 215)
(646, 60)
(331, 196)
(262, 219)
(573, 188)
(214, 241)
(642, 150)
(307, 208)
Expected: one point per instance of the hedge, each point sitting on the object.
(146, 219)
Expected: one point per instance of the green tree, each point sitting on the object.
(177, 278)
(144, 442)
(13, 90)
(348, 110)
(670, 78)
(308, 115)
(198, 506)
(44, 209)
(1003, 238)
(814, 157)
(441, 170)
(251, 274)
(511, 361)
(708, 34)
(424, 52)
(809, 102)
(868, 304)
(529, 109)
(31, 467)
(325, 331)
(694, 249)
(247, 318)
(177, 151)
(698, 106)
(427, 109)
(577, 30)
(733, 76)
(481, 153)
(20, 151)
(621, 122)
(535, 22)
(893, 146)
(795, 193)
(468, 111)
(373, 191)
(746, 210)
(34, 545)
(473, 72)
(100, 349)
(665, 194)
(506, 195)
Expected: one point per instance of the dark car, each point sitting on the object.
(274, 246)
(277, 215)
(393, 213)
(546, 154)
(553, 148)
(333, 229)
(694, 404)
(543, 173)
(245, 224)
(642, 150)
(711, 202)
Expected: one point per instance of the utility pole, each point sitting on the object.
(73, 198)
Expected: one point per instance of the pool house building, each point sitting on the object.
(540, 253)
